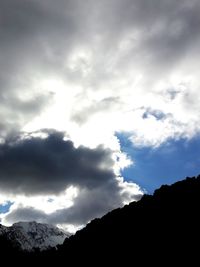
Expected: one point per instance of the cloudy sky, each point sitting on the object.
(99, 103)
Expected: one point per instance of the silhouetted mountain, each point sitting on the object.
(165, 225)
(163, 229)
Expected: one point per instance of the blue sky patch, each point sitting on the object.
(159, 115)
(5, 207)
(172, 161)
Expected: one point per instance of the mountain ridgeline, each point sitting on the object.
(160, 228)
(165, 225)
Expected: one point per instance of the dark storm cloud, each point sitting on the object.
(38, 166)
(45, 166)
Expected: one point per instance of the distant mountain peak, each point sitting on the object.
(32, 235)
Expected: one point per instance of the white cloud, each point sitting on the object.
(99, 72)
(125, 66)
(47, 204)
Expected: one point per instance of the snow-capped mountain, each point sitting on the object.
(3, 229)
(31, 235)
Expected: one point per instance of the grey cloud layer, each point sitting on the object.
(33, 37)
(48, 166)
(96, 50)
(43, 35)
(89, 204)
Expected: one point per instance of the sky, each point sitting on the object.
(99, 104)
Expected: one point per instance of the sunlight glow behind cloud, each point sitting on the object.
(124, 67)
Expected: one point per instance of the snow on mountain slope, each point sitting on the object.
(30, 235)
(3, 229)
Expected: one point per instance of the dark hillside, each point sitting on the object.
(162, 229)
(164, 225)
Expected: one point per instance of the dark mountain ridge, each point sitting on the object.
(161, 229)
(165, 225)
